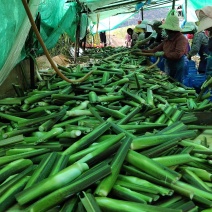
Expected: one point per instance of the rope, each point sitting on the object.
(153, 65)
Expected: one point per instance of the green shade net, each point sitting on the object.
(110, 23)
(55, 24)
(14, 29)
(57, 17)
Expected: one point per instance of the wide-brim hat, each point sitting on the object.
(140, 28)
(205, 18)
(189, 27)
(155, 23)
(172, 22)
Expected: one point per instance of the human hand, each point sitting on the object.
(158, 54)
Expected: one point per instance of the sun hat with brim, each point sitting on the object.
(145, 21)
(189, 27)
(155, 23)
(205, 18)
(140, 28)
(172, 22)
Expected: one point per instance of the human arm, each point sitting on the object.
(134, 38)
(156, 49)
(196, 44)
(143, 41)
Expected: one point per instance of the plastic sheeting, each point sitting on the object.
(57, 17)
(14, 29)
(193, 5)
(110, 23)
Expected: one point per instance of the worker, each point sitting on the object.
(158, 38)
(141, 28)
(199, 45)
(128, 40)
(133, 36)
(153, 39)
(173, 48)
(103, 38)
(205, 23)
(141, 41)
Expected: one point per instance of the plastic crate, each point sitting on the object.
(192, 71)
(210, 98)
(196, 81)
(186, 81)
(186, 67)
(191, 64)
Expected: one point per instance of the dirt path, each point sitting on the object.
(114, 41)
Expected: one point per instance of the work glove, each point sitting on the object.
(154, 34)
(158, 54)
(163, 33)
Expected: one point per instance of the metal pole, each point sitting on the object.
(186, 8)
(142, 13)
(173, 4)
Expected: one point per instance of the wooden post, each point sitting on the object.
(77, 35)
(33, 45)
(86, 33)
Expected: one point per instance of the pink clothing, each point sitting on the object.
(127, 38)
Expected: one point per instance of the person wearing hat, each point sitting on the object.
(173, 48)
(155, 37)
(141, 30)
(134, 34)
(199, 45)
(158, 38)
(205, 23)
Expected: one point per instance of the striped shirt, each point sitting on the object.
(199, 39)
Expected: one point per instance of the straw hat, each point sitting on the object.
(189, 27)
(140, 28)
(172, 22)
(205, 18)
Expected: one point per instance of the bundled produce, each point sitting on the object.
(123, 140)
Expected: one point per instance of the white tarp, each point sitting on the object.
(193, 5)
